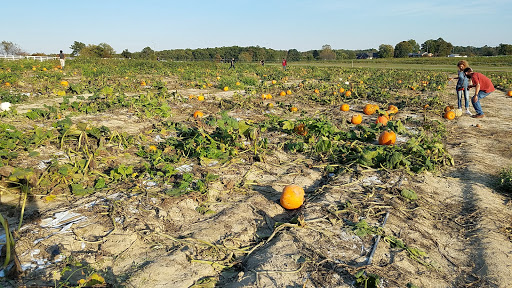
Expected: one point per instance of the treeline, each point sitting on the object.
(433, 47)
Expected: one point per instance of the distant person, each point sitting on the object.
(262, 62)
(232, 63)
(483, 87)
(62, 59)
(462, 85)
(284, 64)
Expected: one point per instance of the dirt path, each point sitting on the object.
(480, 153)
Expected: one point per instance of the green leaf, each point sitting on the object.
(79, 190)
(409, 194)
(288, 125)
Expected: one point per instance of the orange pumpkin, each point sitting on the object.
(448, 108)
(509, 93)
(357, 119)
(369, 109)
(345, 107)
(317, 91)
(226, 88)
(387, 138)
(292, 197)
(341, 90)
(282, 93)
(348, 93)
(392, 109)
(383, 119)
(198, 114)
(450, 115)
(293, 109)
(288, 92)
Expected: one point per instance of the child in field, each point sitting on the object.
(462, 85)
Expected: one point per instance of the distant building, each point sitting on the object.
(367, 55)
(419, 54)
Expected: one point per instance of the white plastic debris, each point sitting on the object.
(372, 180)
(5, 106)
(185, 168)
(61, 219)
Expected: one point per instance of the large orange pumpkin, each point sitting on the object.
(345, 107)
(292, 197)
(369, 109)
(509, 93)
(450, 115)
(357, 119)
(387, 138)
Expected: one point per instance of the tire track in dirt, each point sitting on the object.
(480, 153)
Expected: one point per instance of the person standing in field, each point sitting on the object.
(483, 87)
(284, 64)
(462, 85)
(62, 59)
(232, 63)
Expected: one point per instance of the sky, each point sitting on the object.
(50, 26)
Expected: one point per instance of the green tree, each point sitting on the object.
(103, 50)
(504, 49)
(386, 51)
(415, 46)
(488, 51)
(293, 55)
(402, 49)
(76, 47)
(443, 48)
(126, 54)
(327, 53)
(147, 53)
(245, 56)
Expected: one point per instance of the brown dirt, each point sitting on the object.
(138, 238)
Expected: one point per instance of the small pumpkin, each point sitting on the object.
(387, 138)
(341, 90)
(450, 115)
(383, 119)
(348, 93)
(458, 112)
(283, 93)
(301, 130)
(292, 197)
(226, 88)
(345, 107)
(369, 109)
(392, 109)
(294, 109)
(288, 92)
(198, 114)
(357, 119)
(448, 108)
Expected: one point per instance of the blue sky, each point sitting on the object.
(49, 26)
